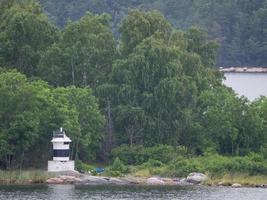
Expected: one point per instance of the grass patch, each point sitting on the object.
(24, 177)
(144, 173)
(243, 179)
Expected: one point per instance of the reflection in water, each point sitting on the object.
(251, 85)
(70, 192)
(61, 192)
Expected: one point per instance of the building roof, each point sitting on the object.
(60, 136)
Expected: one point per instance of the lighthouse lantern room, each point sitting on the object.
(61, 153)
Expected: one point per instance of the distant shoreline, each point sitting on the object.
(243, 69)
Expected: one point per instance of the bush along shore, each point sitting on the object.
(161, 165)
(8, 177)
(68, 177)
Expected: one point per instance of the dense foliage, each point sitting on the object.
(25, 34)
(238, 25)
(83, 54)
(252, 164)
(31, 110)
(151, 96)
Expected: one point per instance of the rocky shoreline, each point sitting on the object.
(243, 69)
(85, 179)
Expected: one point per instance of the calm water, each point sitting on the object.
(70, 192)
(251, 85)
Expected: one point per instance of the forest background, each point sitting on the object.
(130, 85)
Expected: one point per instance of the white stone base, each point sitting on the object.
(57, 166)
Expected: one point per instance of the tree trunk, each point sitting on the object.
(232, 147)
(109, 136)
(131, 140)
(76, 150)
(21, 162)
(72, 72)
(72, 150)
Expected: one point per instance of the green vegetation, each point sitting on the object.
(152, 99)
(24, 177)
(217, 165)
(248, 170)
(83, 167)
(137, 155)
(31, 110)
(243, 179)
(171, 162)
(25, 34)
(238, 25)
(117, 168)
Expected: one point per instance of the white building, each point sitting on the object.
(61, 153)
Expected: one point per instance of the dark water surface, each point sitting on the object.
(251, 85)
(71, 192)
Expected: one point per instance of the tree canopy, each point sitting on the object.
(83, 54)
(238, 25)
(31, 110)
(25, 34)
(154, 86)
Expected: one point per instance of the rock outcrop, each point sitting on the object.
(90, 180)
(244, 69)
(64, 179)
(236, 185)
(101, 180)
(196, 178)
(155, 181)
(85, 179)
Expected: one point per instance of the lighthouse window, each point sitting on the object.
(66, 143)
(61, 153)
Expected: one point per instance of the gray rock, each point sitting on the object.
(236, 185)
(221, 184)
(196, 178)
(94, 180)
(63, 179)
(184, 182)
(118, 181)
(101, 180)
(155, 181)
(261, 186)
(133, 180)
(55, 180)
(69, 179)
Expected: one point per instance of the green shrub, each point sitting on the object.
(152, 163)
(138, 155)
(263, 150)
(252, 164)
(165, 153)
(83, 167)
(135, 155)
(183, 167)
(117, 168)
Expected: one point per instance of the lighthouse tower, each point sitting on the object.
(61, 153)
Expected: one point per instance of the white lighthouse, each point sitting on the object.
(61, 153)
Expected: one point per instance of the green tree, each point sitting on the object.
(31, 110)
(25, 34)
(19, 116)
(259, 107)
(154, 87)
(228, 122)
(237, 25)
(83, 54)
(89, 133)
(139, 25)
